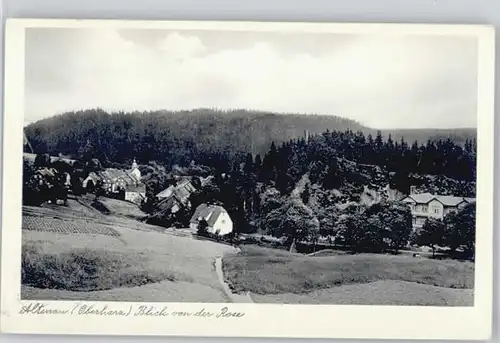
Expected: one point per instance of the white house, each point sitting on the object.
(427, 205)
(217, 218)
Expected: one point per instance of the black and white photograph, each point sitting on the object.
(251, 166)
(245, 166)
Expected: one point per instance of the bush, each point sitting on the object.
(84, 270)
(100, 207)
(203, 228)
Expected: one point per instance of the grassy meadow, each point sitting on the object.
(275, 276)
(138, 264)
(77, 253)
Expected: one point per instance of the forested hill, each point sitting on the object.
(118, 135)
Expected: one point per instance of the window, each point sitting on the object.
(223, 221)
(424, 208)
(436, 210)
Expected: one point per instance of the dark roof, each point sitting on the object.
(31, 156)
(166, 192)
(200, 210)
(182, 179)
(449, 200)
(136, 188)
(62, 159)
(182, 191)
(167, 203)
(114, 174)
(47, 172)
(94, 177)
(421, 198)
(209, 213)
(110, 173)
(446, 200)
(207, 180)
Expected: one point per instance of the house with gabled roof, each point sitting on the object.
(427, 205)
(166, 193)
(176, 196)
(91, 181)
(218, 220)
(135, 193)
(115, 181)
(181, 190)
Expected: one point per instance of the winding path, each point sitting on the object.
(235, 297)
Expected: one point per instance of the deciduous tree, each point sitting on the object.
(431, 234)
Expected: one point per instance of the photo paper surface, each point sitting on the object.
(247, 179)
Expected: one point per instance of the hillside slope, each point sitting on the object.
(113, 258)
(207, 129)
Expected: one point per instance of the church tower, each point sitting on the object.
(135, 170)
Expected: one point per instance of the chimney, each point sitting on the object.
(306, 136)
(413, 190)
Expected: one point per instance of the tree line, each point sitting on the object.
(256, 188)
(324, 156)
(177, 137)
(456, 230)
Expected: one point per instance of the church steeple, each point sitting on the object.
(135, 170)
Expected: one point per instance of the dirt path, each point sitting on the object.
(235, 298)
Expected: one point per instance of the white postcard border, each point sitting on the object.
(262, 320)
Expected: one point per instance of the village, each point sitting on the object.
(127, 185)
(124, 184)
(135, 227)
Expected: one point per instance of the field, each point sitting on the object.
(274, 276)
(77, 253)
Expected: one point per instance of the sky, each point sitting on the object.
(382, 82)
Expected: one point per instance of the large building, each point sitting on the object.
(115, 181)
(427, 205)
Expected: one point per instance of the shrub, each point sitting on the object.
(84, 269)
(100, 207)
(203, 228)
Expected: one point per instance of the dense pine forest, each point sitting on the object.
(275, 144)
(171, 137)
(268, 174)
